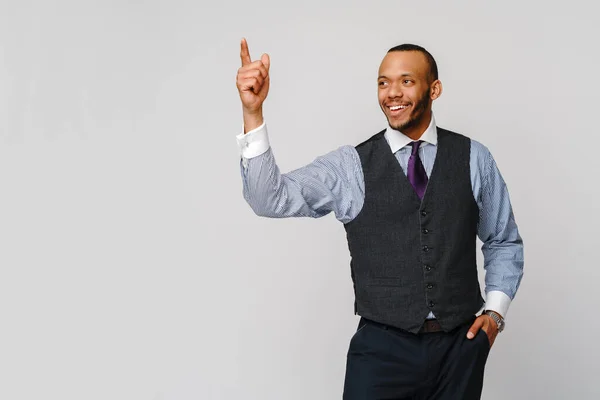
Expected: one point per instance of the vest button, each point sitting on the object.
(431, 304)
(425, 231)
(427, 268)
(424, 213)
(425, 248)
(430, 286)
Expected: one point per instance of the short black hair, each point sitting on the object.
(433, 70)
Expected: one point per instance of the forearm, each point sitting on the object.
(267, 192)
(270, 193)
(503, 262)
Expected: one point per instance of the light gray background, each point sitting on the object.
(131, 267)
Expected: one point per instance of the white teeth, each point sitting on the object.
(395, 108)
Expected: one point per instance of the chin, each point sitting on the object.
(399, 125)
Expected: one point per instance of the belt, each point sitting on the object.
(430, 326)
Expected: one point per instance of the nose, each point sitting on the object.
(395, 91)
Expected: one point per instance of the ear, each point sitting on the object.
(436, 89)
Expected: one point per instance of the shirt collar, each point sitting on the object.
(398, 140)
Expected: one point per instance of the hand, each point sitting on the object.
(253, 86)
(488, 325)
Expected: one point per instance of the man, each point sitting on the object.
(413, 198)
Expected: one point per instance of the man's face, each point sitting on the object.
(404, 91)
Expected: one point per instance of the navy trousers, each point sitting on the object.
(389, 363)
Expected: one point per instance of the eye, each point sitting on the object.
(407, 81)
(382, 83)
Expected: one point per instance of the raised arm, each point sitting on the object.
(331, 183)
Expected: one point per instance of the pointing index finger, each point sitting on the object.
(244, 53)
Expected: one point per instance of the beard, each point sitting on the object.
(416, 114)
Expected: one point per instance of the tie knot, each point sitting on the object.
(415, 146)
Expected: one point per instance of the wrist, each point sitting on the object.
(252, 120)
(498, 319)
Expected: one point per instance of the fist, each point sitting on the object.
(252, 81)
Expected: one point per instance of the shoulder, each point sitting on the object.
(479, 150)
(343, 157)
(369, 142)
(342, 152)
(481, 158)
(447, 133)
(369, 148)
(350, 155)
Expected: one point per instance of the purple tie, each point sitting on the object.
(416, 172)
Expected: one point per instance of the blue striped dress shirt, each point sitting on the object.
(334, 183)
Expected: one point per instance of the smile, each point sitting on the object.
(398, 109)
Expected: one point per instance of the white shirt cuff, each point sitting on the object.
(254, 143)
(497, 301)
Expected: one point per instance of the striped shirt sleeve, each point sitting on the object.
(502, 244)
(331, 183)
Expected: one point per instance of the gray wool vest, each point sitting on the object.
(412, 256)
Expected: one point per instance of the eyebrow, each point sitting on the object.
(402, 76)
